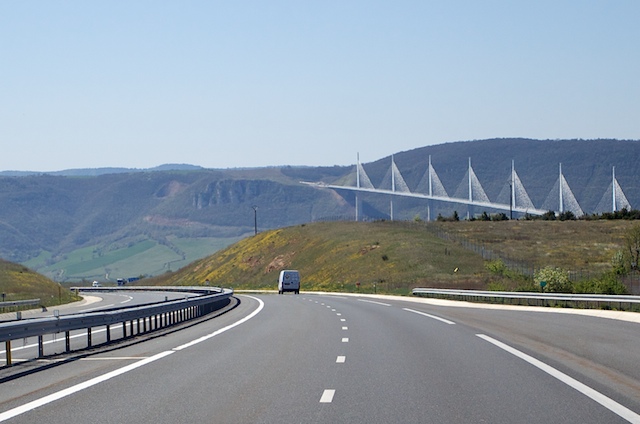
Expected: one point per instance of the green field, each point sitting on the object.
(147, 257)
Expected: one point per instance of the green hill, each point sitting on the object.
(18, 282)
(394, 257)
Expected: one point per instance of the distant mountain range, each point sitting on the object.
(79, 219)
(94, 172)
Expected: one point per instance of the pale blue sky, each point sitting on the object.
(259, 83)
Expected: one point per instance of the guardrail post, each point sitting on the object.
(7, 348)
(124, 330)
(108, 333)
(40, 347)
(89, 337)
(67, 342)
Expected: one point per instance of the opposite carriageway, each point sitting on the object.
(139, 319)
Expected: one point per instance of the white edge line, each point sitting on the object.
(603, 400)
(97, 308)
(222, 330)
(373, 301)
(446, 321)
(92, 382)
(78, 387)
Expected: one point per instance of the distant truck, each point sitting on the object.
(123, 281)
(289, 281)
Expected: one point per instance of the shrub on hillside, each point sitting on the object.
(556, 280)
(607, 284)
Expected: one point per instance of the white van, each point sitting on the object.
(289, 280)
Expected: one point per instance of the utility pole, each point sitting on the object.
(255, 219)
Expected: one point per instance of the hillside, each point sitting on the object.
(107, 224)
(394, 257)
(18, 283)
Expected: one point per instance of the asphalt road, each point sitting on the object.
(313, 358)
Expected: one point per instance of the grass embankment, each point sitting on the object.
(18, 282)
(577, 246)
(389, 257)
(394, 257)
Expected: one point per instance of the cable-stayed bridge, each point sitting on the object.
(513, 197)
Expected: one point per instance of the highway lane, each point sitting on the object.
(316, 358)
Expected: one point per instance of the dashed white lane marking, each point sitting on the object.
(373, 301)
(342, 319)
(341, 359)
(339, 314)
(345, 340)
(327, 396)
(446, 321)
(345, 328)
(603, 400)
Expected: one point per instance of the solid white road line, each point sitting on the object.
(373, 301)
(603, 400)
(327, 396)
(92, 382)
(222, 330)
(97, 308)
(114, 358)
(78, 387)
(446, 321)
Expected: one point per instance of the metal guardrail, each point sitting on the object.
(567, 300)
(147, 318)
(18, 303)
